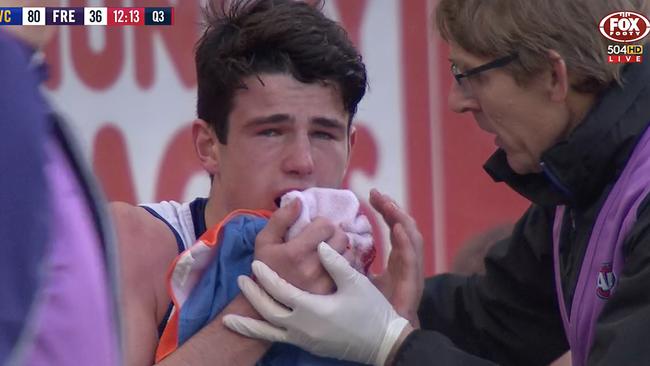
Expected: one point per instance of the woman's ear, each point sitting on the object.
(559, 83)
(206, 146)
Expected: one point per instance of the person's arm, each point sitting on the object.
(147, 248)
(217, 345)
(509, 315)
(356, 299)
(621, 334)
(143, 250)
(356, 323)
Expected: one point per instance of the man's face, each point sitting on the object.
(283, 135)
(523, 119)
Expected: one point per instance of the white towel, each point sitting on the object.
(341, 207)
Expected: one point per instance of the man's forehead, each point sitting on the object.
(290, 119)
(268, 94)
(284, 81)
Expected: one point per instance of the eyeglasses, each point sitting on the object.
(500, 62)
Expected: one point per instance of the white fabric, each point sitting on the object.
(179, 216)
(356, 323)
(341, 207)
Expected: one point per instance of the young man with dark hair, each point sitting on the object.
(278, 86)
(572, 136)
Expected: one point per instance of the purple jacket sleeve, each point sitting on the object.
(23, 197)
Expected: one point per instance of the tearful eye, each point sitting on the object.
(269, 132)
(323, 135)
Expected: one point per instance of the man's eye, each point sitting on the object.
(269, 132)
(323, 135)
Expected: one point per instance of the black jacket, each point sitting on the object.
(510, 315)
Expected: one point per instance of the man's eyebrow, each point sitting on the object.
(265, 120)
(329, 123)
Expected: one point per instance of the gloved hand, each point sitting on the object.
(356, 323)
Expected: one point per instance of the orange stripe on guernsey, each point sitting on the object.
(169, 340)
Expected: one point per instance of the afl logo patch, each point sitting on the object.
(606, 281)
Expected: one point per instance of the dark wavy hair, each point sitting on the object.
(250, 37)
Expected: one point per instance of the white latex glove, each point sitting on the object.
(356, 323)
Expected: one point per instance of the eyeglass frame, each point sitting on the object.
(500, 62)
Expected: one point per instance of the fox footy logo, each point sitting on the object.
(624, 26)
(606, 281)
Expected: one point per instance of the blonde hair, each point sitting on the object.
(529, 28)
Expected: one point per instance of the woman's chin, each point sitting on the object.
(523, 164)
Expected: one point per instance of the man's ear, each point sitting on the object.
(352, 139)
(560, 83)
(206, 146)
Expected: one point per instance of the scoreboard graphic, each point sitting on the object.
(86, 16)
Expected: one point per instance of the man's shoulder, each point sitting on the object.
(146, 247)
(134, 219)
(142, 236)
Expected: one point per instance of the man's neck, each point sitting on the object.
(214, 213)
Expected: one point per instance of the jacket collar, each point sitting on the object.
(576, 171)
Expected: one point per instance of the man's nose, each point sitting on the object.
(299, 160)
